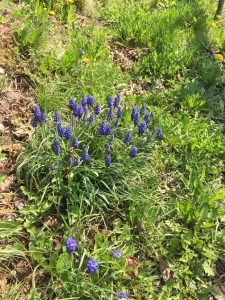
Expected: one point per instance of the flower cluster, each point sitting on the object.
(38, 116)
(105, 122)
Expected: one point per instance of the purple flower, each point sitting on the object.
(34, 123)
(37, 113)
(108, 130)
(107, 149)
(103, 128)
(117, 100)
(44, 117)
(70, 161)
(52, 167)
(85, 156)
(122, 295)
(142, 128)
(97, 109)
(110, 115)
(73, 121)
(81, 51)
(68, 132)
(133, 151)
(91, 118)
(56, 117)
(115, 253)
(71, 245)
(56, 147)
(147, 117)
(60, 130)
(80, 111)
(159, 133)
(85, 109)
(56, 143)
(110, 102)
(72, 104)
(136, 119)
(127, 138)
(57, 150)
(90, 100)
(143, 109)
(154, 130)
(133, 112)
(92, 266)
(75, 143)
(119, 112)
(84, 101)
(111, 139)
(108, 161)
(149, 137)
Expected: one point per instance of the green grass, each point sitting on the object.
(166, 206)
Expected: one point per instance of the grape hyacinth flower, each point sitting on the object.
(127, 138)
(108, 161)
(117, 100)
(143, 109)
(133, 151)
(79, 111)
(34, 123)
(97, 109)
(122, 295)
(56, 147)
(119, 112)
(68, 132)
(75, 143)
(85, 156)
(52, 167)
(115, 253)
(110, 115)
(37, 113)
(159, 133)
(90, 100)
(84, 101)
(110, 102)
(108, 130)
(56, 117)
(91, 118)
(136, 119)
(71, 245)
(154, 130)
(92, 266)
(43, 117)
(147, 117)
(70, 161)
(133, 112)
(111, 140)
(81, 51)
(72, 104)
(60, 130)
(107, 149)
(85, 109)
(149, 137)
(142, 128)
(103, 128)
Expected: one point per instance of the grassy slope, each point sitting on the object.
(173, 224)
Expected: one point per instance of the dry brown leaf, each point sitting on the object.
(165, 269)
(132, 263)
(13, 149)
(7, 198)
(7, 183)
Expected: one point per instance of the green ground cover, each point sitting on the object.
(162, 209)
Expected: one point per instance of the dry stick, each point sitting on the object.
(219, 8)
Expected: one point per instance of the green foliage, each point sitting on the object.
(163, 210)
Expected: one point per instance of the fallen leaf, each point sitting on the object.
(7, 183)
(13, 149)
(132, 263)
(164, 269)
